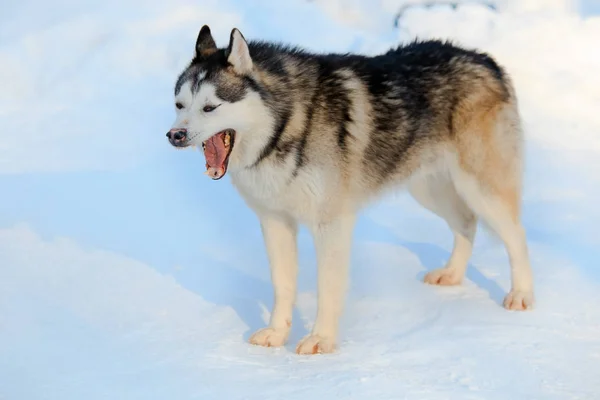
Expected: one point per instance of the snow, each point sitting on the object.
(119, 280)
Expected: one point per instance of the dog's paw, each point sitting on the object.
(315, 344)
(519, 300)
(443, 277)
(269, 337)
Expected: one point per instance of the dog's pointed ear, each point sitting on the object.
(238, 54)
(205, 44)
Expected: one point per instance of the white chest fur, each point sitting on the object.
(271, 187)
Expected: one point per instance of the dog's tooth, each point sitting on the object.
(227, 140)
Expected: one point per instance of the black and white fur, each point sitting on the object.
(319, 136)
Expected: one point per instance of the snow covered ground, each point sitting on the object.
(120, 279)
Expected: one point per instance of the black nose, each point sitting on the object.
(177, 134)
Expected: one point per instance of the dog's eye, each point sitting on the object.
(208, 108)
(179, 106)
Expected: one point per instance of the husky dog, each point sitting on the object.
(313, 138)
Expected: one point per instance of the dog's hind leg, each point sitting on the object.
(487, 175)
(437, 194)
(497, 209)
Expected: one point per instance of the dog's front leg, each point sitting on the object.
(280, 239)
(332, 242)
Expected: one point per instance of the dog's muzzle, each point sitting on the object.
(177, 137)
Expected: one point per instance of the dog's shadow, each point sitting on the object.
(433, 257)
(252, 298)
(223, 285)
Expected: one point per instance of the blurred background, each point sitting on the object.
(126, 273)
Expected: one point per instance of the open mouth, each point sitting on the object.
(217, 149)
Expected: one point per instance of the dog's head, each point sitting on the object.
(218, 102)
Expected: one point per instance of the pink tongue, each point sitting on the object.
(215, 154)
(215, 151)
